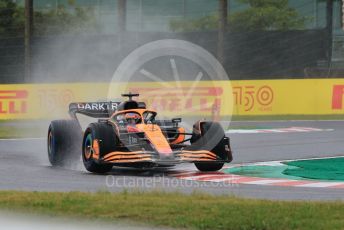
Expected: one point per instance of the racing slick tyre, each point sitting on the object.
(208, 135)
(105, 136)
(64, 140)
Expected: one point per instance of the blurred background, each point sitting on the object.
(85, 40)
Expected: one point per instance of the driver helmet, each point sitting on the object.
(132, 118)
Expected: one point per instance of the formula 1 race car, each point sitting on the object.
(127, 134)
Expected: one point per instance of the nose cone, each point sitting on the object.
(157, 139)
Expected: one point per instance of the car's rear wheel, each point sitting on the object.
(208, 136)
(64, 140)
(99, 139)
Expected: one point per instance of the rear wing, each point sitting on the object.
(93, 109)
(102, 109)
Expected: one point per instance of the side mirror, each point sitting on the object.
(176, 121)
(153, 122)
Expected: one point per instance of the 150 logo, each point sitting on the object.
(13, 101)
(251, 97)
(52, 99)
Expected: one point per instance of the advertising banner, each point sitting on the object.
(288, 97)
(50, 101)
(209, 99)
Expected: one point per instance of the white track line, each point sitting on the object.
(266, 181)
(23, 139)
(277, 130)
(320, 184)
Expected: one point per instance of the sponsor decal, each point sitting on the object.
(202, 99)
(13, 101)
(51, 99)
(251, 96)
(133, 140)
(98, 106)
(337, 97)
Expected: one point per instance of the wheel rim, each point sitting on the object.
(88, 148)
(51, 143)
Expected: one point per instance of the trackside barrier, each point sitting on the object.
(209, 99)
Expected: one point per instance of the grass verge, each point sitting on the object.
(196, 211)
(23, 128)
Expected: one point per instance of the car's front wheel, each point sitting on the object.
(99, 139)
(209, 136)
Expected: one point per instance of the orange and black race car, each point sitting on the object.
(128, 134)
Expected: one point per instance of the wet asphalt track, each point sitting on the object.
(24, 165)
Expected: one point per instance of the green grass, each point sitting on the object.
(23, 128)
(196, 211)
(24, 132)
(7, 133)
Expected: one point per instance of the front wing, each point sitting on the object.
(146, 156)
(177, 156)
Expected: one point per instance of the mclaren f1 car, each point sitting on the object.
(130, 135)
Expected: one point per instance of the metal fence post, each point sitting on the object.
(28, 38)
(223, 5)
